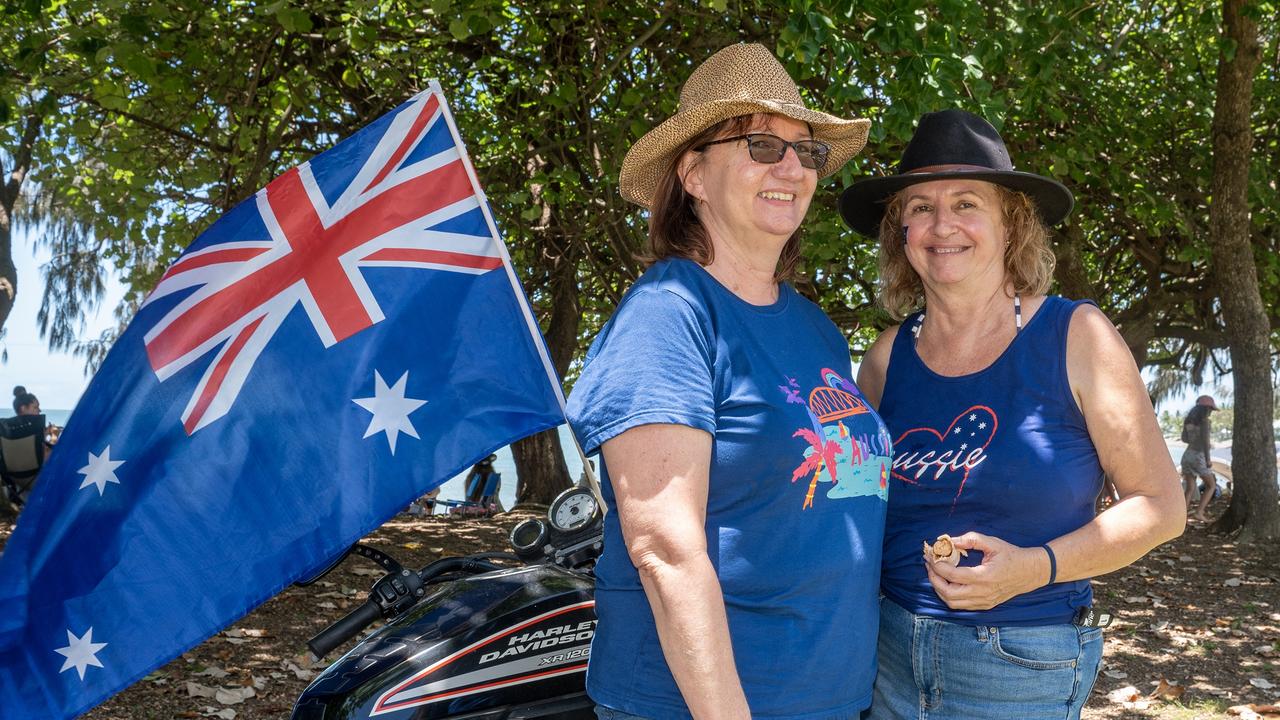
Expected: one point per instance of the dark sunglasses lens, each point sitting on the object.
(766, 148)
(770, 149)
(812, 154)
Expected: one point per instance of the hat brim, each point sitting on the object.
(651, 155)
(862, 204)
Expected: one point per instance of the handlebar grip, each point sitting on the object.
(344, 629)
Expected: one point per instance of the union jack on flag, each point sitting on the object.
(333, 347)
(314, 256)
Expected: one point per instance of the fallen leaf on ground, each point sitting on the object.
(1167, 691)
(234, 696)
(214, 671)
(1115, 674)
(1252, 707)
(198, 690)
(370, 572)
(1128, 693)
(1262, 683)
(224, 713)
(1232, 582)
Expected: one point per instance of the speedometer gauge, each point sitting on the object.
(573, 510)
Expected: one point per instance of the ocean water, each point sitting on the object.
(454, 488)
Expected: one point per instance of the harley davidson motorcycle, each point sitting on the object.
(465, 637)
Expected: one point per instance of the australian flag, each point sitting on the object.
(336, 345)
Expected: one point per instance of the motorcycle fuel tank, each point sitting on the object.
(497, 646)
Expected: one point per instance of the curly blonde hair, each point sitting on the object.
(1028, 261)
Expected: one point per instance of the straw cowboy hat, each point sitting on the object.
(969, 147)
(741, 79)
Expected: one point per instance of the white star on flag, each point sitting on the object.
(100, 471)
(390, 409)
(964, 446)
(982, 426)
(80, 652)
(973, 417)
(957, 431)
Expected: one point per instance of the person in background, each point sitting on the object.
(26, 404)
(1007, 407)
(1196, 433)
(478, 477)
(742, 469)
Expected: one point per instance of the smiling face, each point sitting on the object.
(955, 233)
(743, 200)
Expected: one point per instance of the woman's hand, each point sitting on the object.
(1006, 571)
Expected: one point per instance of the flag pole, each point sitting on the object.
(588, 470)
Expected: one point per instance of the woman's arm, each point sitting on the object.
(659, 475)
(1122, 426)
(874, 367)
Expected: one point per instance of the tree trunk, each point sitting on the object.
(540, 464)
(11, 180)
(1253, 510)
(8, 272)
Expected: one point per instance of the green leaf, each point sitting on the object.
(459, 29)
(294, 20)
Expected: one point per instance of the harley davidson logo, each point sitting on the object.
(473, 668)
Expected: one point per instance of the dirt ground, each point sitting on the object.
(1194, 613)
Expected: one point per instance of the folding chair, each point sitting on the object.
(21, 454)
(485, 500)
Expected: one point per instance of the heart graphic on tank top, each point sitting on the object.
(925, 456)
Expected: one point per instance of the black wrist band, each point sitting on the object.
(1053, 564)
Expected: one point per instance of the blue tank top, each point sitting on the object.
(1003, 451)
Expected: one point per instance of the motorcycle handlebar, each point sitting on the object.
(354, 622)
(346, 628)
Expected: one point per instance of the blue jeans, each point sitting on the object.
(608, 713)
(936, 670)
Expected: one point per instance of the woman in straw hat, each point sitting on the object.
(1007, 408)
(743, 470)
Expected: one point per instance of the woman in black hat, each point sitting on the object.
(1007, 408)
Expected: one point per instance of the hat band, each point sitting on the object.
(950, 168)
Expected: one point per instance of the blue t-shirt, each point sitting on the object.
(794, 534)
(1003, 451)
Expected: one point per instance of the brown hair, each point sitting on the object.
(1028, 261)
(674, 227)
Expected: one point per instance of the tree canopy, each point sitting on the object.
(127, 126)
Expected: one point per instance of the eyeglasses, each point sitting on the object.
(770, 149)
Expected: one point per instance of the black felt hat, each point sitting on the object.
(946, 145)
